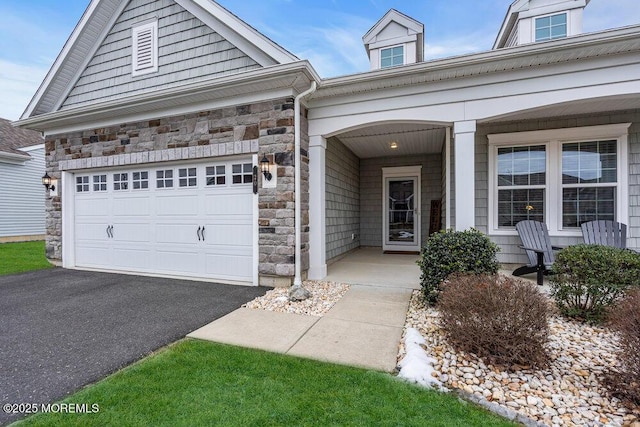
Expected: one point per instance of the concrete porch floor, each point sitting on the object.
(369, 266)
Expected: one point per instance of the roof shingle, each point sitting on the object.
(12, 139)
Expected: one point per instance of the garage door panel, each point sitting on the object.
(93, 255)
(179, 261)
(87, 231)
(228, 204)
(229, 235)
(92, 207)
(131, 232)
(132, 206)
(177, 205)
(135, 259)
(176, 233)
(229, 266)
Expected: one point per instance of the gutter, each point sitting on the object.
(297, 281)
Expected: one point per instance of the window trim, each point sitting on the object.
(553, 140)
(136, 68)
(404, 56)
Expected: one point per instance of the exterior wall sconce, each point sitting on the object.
(265, 167)
(393, 145)
(50, 184)
(269, 171)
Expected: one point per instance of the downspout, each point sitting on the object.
(297, 281)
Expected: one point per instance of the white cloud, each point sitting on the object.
(18, 83)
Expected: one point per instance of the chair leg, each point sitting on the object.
(540, 272)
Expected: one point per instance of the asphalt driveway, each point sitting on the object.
(62, 329)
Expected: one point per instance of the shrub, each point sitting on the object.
(625, 319)
(448, 252)
(587, 279)
(502, 319)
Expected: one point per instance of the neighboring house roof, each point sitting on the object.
(99, 18)
(12, 139)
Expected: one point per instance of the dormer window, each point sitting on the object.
(392, 57)
(551, 27)
(144, 47)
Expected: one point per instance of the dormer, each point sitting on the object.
(532, 21)
(394, 40)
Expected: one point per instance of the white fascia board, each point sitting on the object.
(564, 134)
(246, 38)
(32, 148)
(71, 41)
(459, 62)
(395, 41)
(13, 158)
(554, 8)
(114, 111)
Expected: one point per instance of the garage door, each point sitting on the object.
(191, 220)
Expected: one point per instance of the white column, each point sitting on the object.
(317, 208)
(464, 154)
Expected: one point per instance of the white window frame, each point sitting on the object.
(535, 20)
(404, 56)
(138, 67)
(553, 140)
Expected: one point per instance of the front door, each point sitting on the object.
(401, 209)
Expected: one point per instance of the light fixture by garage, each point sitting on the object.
(265, 166)
(47, 182)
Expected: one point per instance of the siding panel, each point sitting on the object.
(342, 199)
(22, 197)
(188, 51)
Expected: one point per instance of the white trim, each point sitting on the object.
(32, 148)
(553, 139)
(255, 44)
(447, 179)
(256, 231)
(149, 48)
(410, 172)
(68, 214)
(465, 182)
(15, 159)
(317, 208)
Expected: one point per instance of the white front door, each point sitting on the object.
(401, 209)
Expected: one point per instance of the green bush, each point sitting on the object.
(448, 252)
(625, 319)
(587, 279)
(499, 318)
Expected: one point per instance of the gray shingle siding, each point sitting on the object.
(188, 51)
(342, 199)
(511, 253)
(371, 193)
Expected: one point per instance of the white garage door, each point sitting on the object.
(193, 220)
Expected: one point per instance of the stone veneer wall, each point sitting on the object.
(262, 128)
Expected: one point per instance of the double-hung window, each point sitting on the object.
(562, 177)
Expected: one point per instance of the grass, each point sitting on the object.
(201, 383)
(21, 257)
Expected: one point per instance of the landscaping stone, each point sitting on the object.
(568, 392)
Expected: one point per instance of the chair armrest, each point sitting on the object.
(538, 251)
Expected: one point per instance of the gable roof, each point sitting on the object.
(99, 18)
(414, 28)
(513, 14)
(12, 139)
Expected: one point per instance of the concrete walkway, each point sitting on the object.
(363, 329)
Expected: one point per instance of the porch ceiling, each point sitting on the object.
(574, 108)
(410, 138)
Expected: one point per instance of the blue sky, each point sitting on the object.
(326, 32)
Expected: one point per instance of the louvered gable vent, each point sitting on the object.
(145, 48)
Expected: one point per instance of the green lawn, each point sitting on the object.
(21, 257)
(201, 383)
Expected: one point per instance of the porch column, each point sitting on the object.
(464, 159)
(317, 208)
